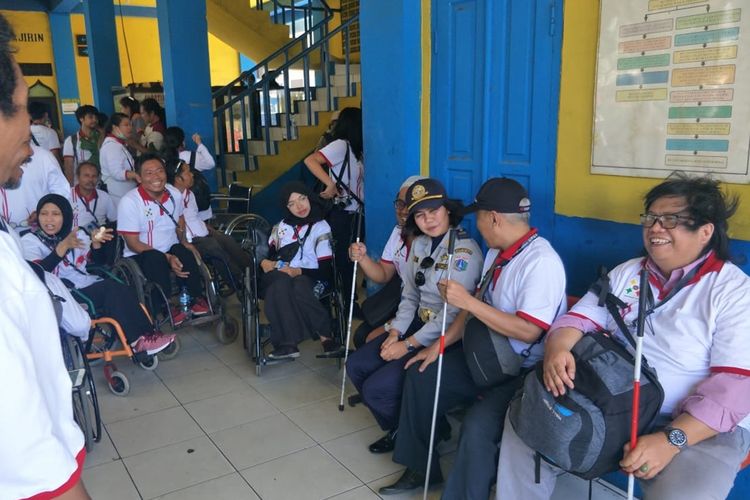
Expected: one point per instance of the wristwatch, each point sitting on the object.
(676, 437)
(409, 346)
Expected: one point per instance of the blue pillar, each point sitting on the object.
(183, 37)
(64, 55)
(104, 58)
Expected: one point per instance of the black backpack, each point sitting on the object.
(201, 190)
(584, 430)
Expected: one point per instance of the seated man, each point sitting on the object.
(696, 338)
(150, 220)
(522, 291)
(39, 176)
(206, 239)
(92, 207)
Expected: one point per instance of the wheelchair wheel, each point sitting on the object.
(83, 417)
(119, 384)
(128, 271)
(85, 401)
(149, 363)
(171, 351)
(252, 232)
(227, 330)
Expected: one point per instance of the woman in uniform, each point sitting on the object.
(377, 368)
(115, 159)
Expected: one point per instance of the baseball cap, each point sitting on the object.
(502, 195)
(425, 193)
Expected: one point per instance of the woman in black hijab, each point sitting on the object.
(296, 272)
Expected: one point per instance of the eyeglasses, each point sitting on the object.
(667, 221)
(299, 201)
(419, 278)
(399, 205)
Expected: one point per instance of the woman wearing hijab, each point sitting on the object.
(299, 262)
(66, 253)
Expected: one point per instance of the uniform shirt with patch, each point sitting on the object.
(315, 247)
(702, 329)
(42, 446)
(426, 300)
(334, 154)
(138, 214)
(395, 251)
(116, 161)
(531, 286)
(45, 136)
(73, 265)
(194, 225)
(96, 210)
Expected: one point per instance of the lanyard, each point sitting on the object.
(64, 257)
(86, 205)
(6, 210)
(169, 214)
(679, 286)
(497, 267)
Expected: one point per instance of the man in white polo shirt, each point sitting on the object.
(41, 447)
(150, 220)
(523, 287)
(84, 144)
(92, 207)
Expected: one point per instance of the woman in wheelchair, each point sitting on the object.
(66, 253)
(300, 260)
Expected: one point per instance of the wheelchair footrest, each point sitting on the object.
(338, 354)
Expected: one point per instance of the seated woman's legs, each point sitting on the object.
(288, 327)
(313, 313)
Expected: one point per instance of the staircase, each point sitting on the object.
(271, 116)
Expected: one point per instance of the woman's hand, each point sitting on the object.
(357, 251)
(392, 339)
(651, 455)
(176, 266)
(427, 356)
(291, 271)
(396, 350)
(101, 235)
(267, 265)
(330, 191)
(559, 370)
(68, 243)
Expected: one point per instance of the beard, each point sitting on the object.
(12, 183)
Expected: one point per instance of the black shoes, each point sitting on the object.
(331, 349)
(284, 352)
(384, 444)
(409, 480)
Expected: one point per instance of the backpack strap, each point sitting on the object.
(603, 290)
(192, 160)
(345, 167)
(33, 139)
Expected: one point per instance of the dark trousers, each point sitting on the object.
(119, 302)
(292, 309)
(379, 382)
(156, 268)
(220, 246)
(344, 228)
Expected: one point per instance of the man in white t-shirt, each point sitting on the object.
(84, 144)
(42, 449)
(41, 175)
(150, 220)
(523, 291)
(41, 133)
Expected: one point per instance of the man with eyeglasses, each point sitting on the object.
(521, 292)
(696, 338)
(150, 219)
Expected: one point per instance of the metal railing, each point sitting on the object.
(248, 98)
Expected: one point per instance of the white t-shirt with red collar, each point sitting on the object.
(138, 214)
(316, 244)
(531, 286)
(95, 210)
(194, 225)
(704, 328)
(395, 251)
(334, 154)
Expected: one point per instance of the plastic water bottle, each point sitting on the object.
(319, 289)
(184, 299)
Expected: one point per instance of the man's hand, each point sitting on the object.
(559, 370)
(176, 266)
(454, 293)
(427, 356)
(652, 453)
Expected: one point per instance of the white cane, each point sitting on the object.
(351, 312)
(637, 373)
(451, 245)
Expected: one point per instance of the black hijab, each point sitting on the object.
(316, 211)
(67, 213)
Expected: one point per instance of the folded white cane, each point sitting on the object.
(351, 312)
(642, 304)
(451, 246)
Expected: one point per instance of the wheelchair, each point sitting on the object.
(257, 335)
(232, 205)
(85, 402)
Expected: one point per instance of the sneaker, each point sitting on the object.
(152, 343)
(178, 315)
(284, 352)
(200, 307)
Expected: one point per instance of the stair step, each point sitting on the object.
(340, 79)
(321, 93)
(340, 69)
(300, 120)
(280, 133)
(257, 147)
(316, 105)
(235, 162)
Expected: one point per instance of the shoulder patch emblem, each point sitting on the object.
(464, 250)
(460, 264)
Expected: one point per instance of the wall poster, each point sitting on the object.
(673, 89)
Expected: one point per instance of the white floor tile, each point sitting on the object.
(309, 474)
(110, 482)
(230, 410)
(361, 493)
(351, 450)
(152, 431)
(147, 395)
(260, 441)
(246, 370)
(231, 487)
(104, 452)
(296, 391)
(231, 353)
(204, 384)
(323, 421)
(186, 363)
(176, 467)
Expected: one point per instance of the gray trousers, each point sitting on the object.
(705, 471)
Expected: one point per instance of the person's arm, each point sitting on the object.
(134, 243)
(203, 159)
(559, 365)
(68, 169)
(377, 271)
(316, 162)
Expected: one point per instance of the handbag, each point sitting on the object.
(383, 304)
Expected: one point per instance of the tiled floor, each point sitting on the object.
(204, 426)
